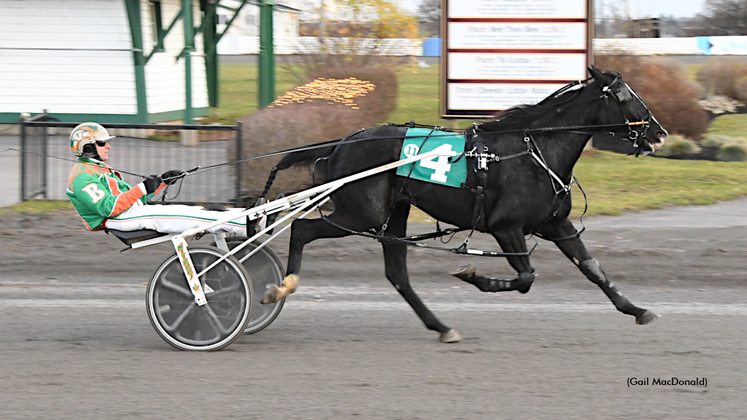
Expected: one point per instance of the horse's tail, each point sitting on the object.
(301, 157)
(305, 157)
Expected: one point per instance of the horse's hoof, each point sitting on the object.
(290, 282)
(646, 318)
(522, 286)
(464, 272)
(451, 336)
(271, 295)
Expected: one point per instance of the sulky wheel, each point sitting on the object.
(264, 269)
(185, 325)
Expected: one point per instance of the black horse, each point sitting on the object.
(520, 185)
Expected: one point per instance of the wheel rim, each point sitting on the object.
(184, 324)
(264, 270)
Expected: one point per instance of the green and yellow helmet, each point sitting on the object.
(87, 133)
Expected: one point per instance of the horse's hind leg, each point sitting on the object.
(575, 250)
(395, 260)
(303, 231)
(512, 242)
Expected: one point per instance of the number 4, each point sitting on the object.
(439, 164)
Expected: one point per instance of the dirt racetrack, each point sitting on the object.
(76, 342)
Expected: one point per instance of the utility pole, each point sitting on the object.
(266, 54)
(322, 30)
(322, 23)
(189, 47)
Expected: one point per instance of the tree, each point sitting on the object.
(721, 18)
(429, 18)
(357, 33)
(380, 18)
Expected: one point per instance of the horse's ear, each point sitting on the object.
(601, 77)
(596, 73)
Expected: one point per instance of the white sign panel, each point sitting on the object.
(490, 96)
(474, 66)
(501, 53)
(726, 45)
(512, 9)
(467, 35)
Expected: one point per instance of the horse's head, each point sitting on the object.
(638, 125)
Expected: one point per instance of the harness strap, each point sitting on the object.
(385, 238)
(481, 170)
(542, 163)
(433, 235)
(536, 153)
(479, 209)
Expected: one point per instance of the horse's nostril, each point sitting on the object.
(661, 135)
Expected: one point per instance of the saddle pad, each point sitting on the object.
(437, 170)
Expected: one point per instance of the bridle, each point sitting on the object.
(623, 94)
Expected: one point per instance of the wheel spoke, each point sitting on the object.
(183, 291)
(178, 322)
(216, 321)
(201, 261)
(224, 290)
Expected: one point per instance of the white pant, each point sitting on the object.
(176, 219)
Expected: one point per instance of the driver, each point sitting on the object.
(103, 200)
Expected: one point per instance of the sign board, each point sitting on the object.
(722, 45)
(500, 53)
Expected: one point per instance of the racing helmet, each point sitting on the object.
(85, 134)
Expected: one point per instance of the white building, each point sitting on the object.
(242, 36)
(102, 60)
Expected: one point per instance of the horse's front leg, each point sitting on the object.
(512, 241)
(574, 249)
(395, 261)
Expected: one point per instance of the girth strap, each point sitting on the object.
(386, 238)
(481, 173)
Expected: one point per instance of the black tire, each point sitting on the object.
(180, 321)
(264, 270)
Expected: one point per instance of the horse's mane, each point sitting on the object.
(521, 116)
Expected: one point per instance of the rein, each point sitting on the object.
(200, 169)
(329, 143)
(67, 160)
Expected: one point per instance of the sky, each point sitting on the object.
(636, 8)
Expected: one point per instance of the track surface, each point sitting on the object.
(76, 342)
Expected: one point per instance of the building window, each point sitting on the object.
(156, 24)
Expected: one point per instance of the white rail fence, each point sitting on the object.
(714, 45)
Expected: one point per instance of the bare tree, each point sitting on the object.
(429, 18)
(721, 18)
(613, 19)
(355, 34)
